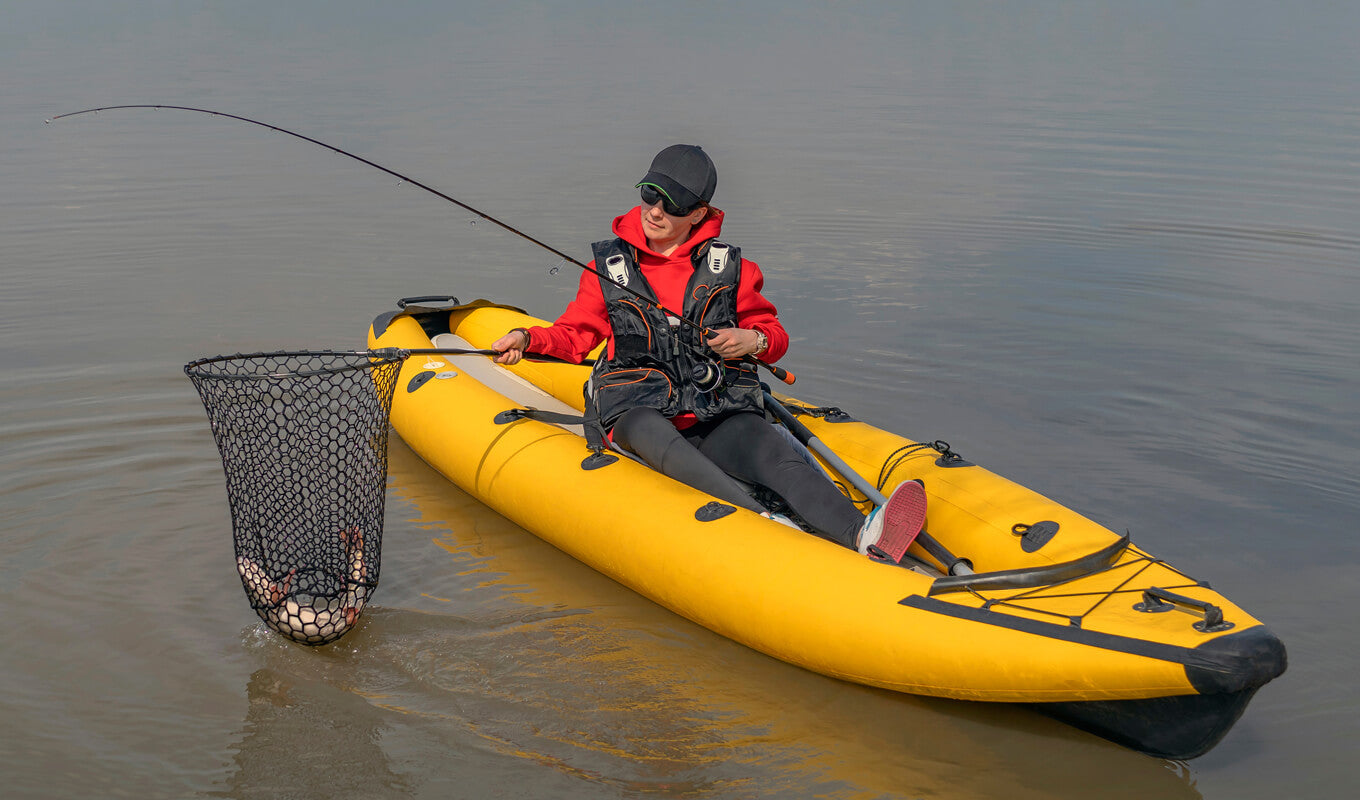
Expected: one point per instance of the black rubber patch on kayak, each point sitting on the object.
(419, 381)
(1033, 537)
(1227, 664)
(712, 511)
(1256, 646)
(597, 460)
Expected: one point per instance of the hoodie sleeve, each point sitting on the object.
(754, 311)
(580, 329)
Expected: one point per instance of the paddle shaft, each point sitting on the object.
(953, 564)
(456, 351)
(779, 372)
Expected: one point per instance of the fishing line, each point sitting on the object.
(778, 372)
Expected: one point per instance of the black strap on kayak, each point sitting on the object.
(594, 431)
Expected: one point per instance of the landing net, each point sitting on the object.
(303, 439)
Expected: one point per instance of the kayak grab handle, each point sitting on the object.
(427, 298)
(1156, 600)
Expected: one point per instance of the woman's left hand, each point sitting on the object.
(733, 342)
(511, 346)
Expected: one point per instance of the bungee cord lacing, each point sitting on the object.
(1025, 600)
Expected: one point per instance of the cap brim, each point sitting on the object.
(679, 195)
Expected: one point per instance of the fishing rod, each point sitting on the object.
(779, 372)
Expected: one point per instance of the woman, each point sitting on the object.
(660, 390)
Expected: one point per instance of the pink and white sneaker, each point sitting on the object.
(890, 529)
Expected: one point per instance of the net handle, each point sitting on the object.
(385, 355)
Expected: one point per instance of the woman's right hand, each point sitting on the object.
(511, 347)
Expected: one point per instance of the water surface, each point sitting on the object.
(1107, 250)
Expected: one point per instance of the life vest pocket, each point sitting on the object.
(742, 374)
(619, 390)
(625, 326)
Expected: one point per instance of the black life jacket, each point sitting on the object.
(655, 361)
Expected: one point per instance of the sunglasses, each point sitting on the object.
(651, 195)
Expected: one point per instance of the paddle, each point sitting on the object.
(953, 564)
(456, 351)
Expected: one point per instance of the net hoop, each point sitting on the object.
(359, 359)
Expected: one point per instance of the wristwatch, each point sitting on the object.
(762, 342)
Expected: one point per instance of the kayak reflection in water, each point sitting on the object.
(680, 397)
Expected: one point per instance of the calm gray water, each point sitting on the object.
(1108, 250)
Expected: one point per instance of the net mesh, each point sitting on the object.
(303, 438)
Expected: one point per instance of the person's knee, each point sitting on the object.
(637, 425)
(752, 435)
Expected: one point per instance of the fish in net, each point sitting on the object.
(303, 439)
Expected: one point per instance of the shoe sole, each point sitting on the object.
(903, 518)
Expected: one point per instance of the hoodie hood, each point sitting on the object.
(628, 227)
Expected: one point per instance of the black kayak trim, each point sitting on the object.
(1232, 663)
(1181, 727)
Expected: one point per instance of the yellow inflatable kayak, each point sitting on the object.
(1051, 609)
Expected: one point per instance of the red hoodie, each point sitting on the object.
(585, 323)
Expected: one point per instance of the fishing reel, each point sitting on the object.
(707, 375)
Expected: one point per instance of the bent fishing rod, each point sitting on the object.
(779, 372)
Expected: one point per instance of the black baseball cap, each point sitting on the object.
(685, 173)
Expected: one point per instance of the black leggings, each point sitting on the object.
(743, 445)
